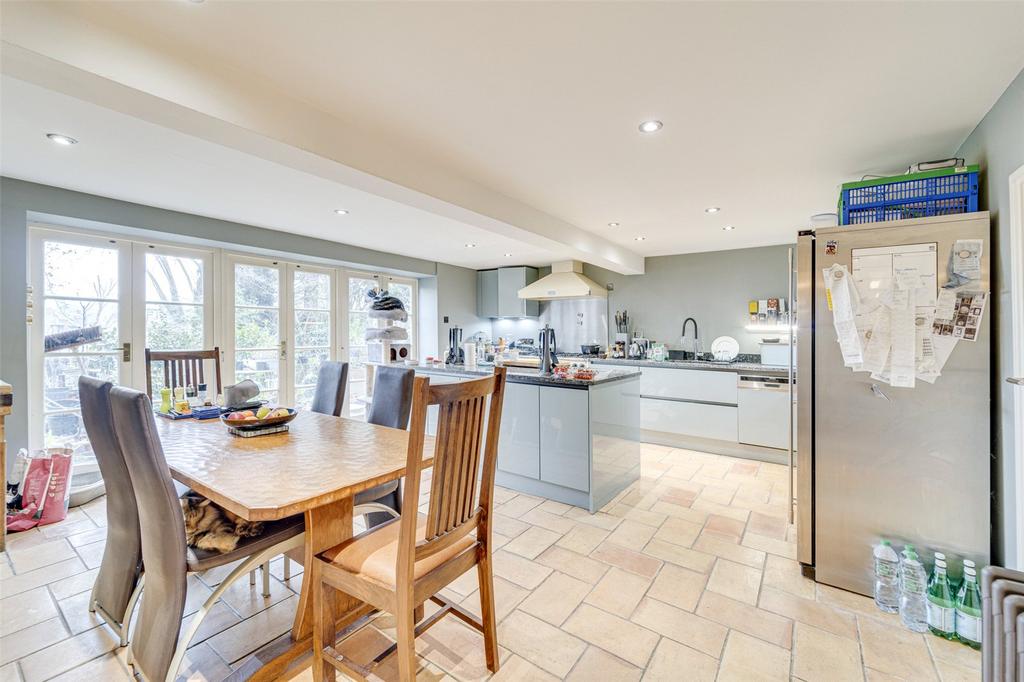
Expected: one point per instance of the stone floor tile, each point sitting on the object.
(67, 654)
(673, 662)
(735, 581)
(954, 653)
(454, 647)
(678, 586)
(784, 574)
(557, 523)
(554, 507)
(748, 658)
(107, 668)
(951, 672)
(508, 526)
(23, 642)
(10, 673)
(682, 626)
(532, 542)
(521, 571)
(631, 535)
(252, 633)
(810, 612)
(598, 664)
(770, 545)
(507, 596)
(648, 518)
(770, 627)
(678, 531)
(556, 598)
(678, 496)
(822, 656)
(518, 669)
(619, 592)
(583, 539)
(769, 526)
(578, 566)
(25, 609)
(679, 512)
(202, 664)
(711, 507)
(895, 650)
(687, 558)
(542, 644)
(727, 550)
(615, 635)
(517, 506)
(715, 494)
(38, 556)
(71, 527)
(92, 553)
(76, 613)
(601, 520)
(627, 559)
(725, 525)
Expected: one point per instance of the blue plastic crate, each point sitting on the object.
(944, 191)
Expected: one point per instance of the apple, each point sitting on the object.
(247, 413)
(263, 412)
(235, 416)
(280, 412)
(251, 418)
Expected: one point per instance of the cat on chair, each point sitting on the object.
(211, 528)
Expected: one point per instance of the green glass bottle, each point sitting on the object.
(941, 603)
(968, 610)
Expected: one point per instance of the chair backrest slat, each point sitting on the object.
(183, 368)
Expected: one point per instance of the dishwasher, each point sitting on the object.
(763, 403)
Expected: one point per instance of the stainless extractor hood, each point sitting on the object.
(565, 281)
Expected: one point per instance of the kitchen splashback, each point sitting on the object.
(576, 322)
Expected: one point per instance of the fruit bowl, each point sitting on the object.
(250, 420)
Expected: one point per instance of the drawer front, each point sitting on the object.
(763, 419)
(689, 384)
(519, 442)
(689, 419)
(565, 437)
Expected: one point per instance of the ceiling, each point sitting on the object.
(512, 122)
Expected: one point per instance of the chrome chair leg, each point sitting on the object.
(287, 569)
(265, 570)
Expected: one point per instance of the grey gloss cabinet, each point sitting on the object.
(565, 437)
(497, 292)
(519, 451)
(487, 293)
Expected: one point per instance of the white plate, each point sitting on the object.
(725, 348)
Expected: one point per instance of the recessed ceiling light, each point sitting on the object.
(470, 245)
(712, 209)
(613, 224)
(508, 255)
(650, 126)
(341, 211)
(61, 139)
(729, 228)
(639, 239)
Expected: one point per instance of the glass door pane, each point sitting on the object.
(84, 323)
(311, 299)
(358, 303)
(257, 327)
(174, 313)
(405, 292)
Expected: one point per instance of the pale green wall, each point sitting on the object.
(997, 144)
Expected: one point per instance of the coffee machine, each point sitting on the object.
(548, 359)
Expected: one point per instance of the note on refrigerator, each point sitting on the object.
(902, 358)
(943, 346)
(963, 319)
(879, 340)
(965, 262)
(843, 301)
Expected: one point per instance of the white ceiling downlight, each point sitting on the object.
(729, 228)
(712, 209)
(639, 239)
(341, 211)
(61, 139)
(470, 245)
(613, 224)
(650, 126)
(508, 255)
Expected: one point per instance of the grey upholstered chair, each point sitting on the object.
(391, 405)
(331, 382)
(156, 649)
(119, 580)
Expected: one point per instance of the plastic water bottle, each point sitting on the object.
(887, 584)
(968, 609)
(913, 583)
(941, 603)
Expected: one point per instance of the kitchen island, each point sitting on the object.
(575, 441)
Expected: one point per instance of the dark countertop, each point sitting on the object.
(525, 375)
(753, 367)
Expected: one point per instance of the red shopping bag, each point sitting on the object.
(45, 490)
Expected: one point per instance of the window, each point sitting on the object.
(311, 295)
(174, 306)
(257, 326)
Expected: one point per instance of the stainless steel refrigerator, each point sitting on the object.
(874, 461)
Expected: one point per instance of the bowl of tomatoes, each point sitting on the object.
(254, 419)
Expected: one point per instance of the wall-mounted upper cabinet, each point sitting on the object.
(497, 292)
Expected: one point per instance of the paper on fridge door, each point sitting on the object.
(965, 262)
(903, 365)
(879, 340)
(943, 346)
(843, 301)
(925, 350)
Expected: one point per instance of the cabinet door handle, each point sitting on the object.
(1019, 381)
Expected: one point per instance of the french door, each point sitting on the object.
(99, 302)
(280, 326)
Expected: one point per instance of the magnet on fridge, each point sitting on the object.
(830, 247)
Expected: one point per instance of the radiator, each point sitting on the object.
(1002, 625)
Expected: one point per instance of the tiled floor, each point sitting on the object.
(689, 575)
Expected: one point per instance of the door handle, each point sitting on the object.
(878, 392)
(284, 350)
(1019, 381)
(126, 352)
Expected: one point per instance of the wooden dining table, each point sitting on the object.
(314, 469)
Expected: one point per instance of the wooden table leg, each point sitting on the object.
(326, 527)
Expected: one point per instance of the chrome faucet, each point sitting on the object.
(696, 337)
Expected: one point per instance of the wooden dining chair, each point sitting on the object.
(398, 566)
(183, 368)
